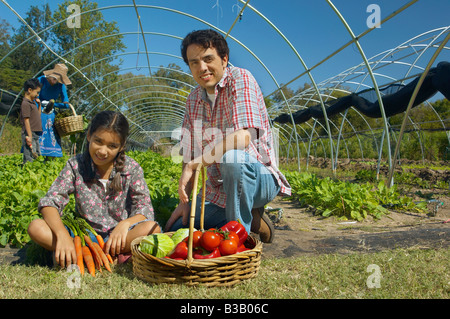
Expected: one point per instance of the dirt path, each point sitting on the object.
(299, 232)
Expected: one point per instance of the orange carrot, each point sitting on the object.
(101, 243)
(103, 257)
(94, 251)
(87, 256)
(77, 242)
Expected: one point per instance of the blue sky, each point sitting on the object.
(312, 27)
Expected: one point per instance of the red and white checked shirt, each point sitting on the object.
(239, 104)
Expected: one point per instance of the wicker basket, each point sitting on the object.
(70, 125)
(222, 271)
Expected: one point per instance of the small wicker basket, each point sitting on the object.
(215, 272)
(70, 125)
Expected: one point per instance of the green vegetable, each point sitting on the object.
(158, 245)
(180, 234)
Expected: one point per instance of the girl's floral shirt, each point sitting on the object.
(103, 209)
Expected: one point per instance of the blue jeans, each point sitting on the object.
(247, 183)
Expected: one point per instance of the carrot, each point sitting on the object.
(77, 243)
(103, 257)
(94, 251)
(101, 243)
(87, 256)
(83, 223)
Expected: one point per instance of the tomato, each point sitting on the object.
(228, 247)
(210, 240)
(233, 236)
(202, 254)
(238, 228)
(180, 251)
(195, 238)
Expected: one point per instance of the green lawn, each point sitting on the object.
(396, 274)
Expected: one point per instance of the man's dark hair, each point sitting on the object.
(32, 84)
(205, 38)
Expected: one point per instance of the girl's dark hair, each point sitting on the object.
(206, 38)
(111, 121)
(32, 84)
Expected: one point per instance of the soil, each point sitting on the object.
(299, 232)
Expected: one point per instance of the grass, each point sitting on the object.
(405, 274)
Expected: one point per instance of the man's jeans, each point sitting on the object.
(247, 183)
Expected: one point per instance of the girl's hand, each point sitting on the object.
(65, 253)
(118, 238)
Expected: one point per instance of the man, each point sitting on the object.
(226, 128)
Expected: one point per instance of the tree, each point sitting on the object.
(32, 55)
(10, 79)
(89, 47)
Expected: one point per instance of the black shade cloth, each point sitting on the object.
(395, 98)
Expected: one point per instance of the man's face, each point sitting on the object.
(206, 66)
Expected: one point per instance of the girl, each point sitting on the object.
(110, 193)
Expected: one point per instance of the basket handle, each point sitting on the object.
(73, 110)
(193, 207)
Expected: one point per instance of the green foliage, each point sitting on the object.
(21, 188)
(347, 200)
(161, 175)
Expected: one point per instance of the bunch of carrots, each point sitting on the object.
(88, 252)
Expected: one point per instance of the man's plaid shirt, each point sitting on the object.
(239, 104)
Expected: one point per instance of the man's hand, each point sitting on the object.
(182, 210)
(186, 176)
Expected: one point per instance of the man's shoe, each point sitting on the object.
(262, 225)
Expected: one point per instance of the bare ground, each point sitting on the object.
(300, 232)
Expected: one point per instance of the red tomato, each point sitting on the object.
(228, 247)
(238, 228)
(210, 240)
(196, 238)
(233, 236)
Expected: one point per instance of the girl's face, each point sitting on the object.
(104, 145)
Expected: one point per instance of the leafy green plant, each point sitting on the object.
(21, 188)
(347, 200)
